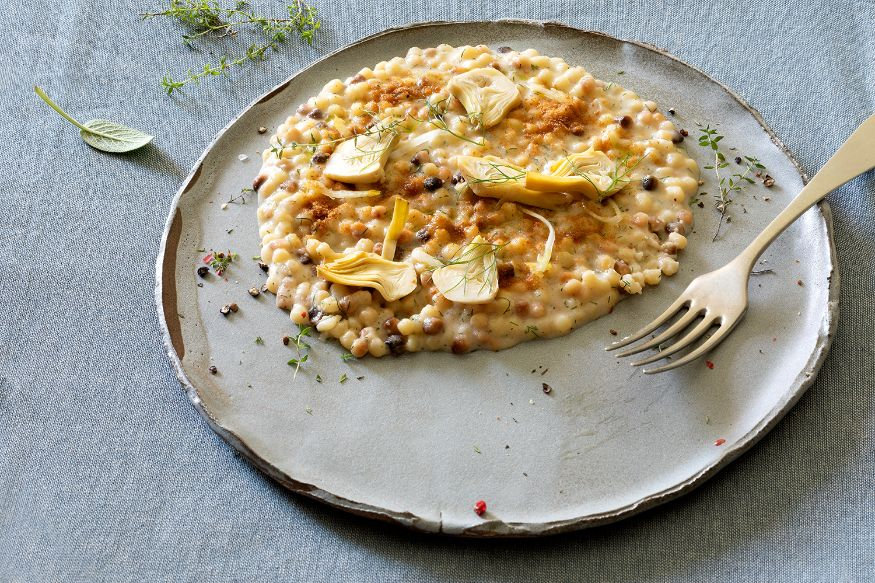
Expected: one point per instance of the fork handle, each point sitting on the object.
(857, 155)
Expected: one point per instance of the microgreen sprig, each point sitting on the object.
(220, 260)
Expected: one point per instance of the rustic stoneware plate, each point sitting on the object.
(418, 439)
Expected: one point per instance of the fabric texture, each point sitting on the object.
(107, 473)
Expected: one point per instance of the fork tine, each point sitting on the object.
(669, 332)
(688, 339)
(659, 321)
(721, 333)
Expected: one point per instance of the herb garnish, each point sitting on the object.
(471, 257)
(220, 260)
(436, 113)
(207, 19)
(102, 134)
(503, 176)
(533, 330)
(730, 185)
(347, 356)
(343, 378)
(301, 348)
(241, 197)
(280, 147)
(259, 340)
(619, 175)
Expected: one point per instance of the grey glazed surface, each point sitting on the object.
(420, 438)
(109, 473)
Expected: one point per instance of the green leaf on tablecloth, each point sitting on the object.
(102, 134)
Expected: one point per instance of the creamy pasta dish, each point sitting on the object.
(464, 198)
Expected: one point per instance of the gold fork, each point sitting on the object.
(719, 298)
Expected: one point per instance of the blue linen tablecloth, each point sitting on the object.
(107, 473)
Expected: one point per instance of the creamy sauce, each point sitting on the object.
(604, 249)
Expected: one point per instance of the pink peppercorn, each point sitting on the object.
(480, 507)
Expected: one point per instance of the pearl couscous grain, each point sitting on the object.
(604, 249)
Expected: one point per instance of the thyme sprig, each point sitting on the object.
(208, 19)
(731, 185)
(301, 348)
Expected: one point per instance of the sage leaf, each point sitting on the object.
(102, 134)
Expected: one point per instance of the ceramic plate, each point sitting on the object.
(418, 439)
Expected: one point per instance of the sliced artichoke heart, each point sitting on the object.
(360, 159)
(393, 231)
(587, 173)
(318, 188)
(496, 178)
(411, 144)
(486, 94)
(543, 263)
(393, 279)
(471, 275)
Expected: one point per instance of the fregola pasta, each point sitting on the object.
(464, 198)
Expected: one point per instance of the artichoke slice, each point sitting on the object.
(399, 217)
(360, 159)
(311, 186)
(486, 94)
(493, 177)
(590, 173)
(393, 279)
(471, 275)
(543, 263)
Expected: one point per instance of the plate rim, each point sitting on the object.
(171, 330)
